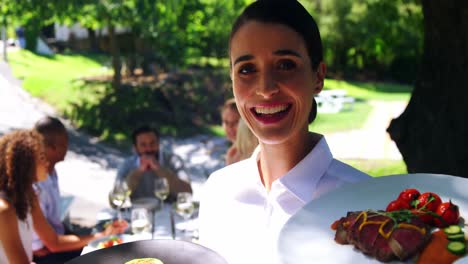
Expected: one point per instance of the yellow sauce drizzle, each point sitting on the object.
(383, 223)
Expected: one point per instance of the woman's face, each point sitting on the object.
(273, 80)
(230, 120)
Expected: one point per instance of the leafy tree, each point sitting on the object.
(373, 36)
(431, 134)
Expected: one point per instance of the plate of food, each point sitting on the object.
(157, 251)
(387, 219)
(109, 241)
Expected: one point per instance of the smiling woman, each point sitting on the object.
(276, 69)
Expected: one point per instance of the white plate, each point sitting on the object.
(308, 238)
(125, 238)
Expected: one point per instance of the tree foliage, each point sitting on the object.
(378, 37)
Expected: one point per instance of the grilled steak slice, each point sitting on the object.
(343, 226)
(382, 235)
(407, 242)
(369, 232)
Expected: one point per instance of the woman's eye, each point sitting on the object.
(286, 65)
(246, 69)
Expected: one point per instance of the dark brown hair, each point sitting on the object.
(293, 15)
(50, 127)
(141, 130)
(19, 151)
(289, 13)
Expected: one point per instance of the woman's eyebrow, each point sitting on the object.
(243, 58)
(283, 52)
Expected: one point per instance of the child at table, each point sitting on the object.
(22, 163)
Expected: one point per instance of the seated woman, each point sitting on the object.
(230, 117)
(243, 147)
(22, 163)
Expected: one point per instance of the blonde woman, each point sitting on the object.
(243, 147)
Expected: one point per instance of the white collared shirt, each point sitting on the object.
(241, 221)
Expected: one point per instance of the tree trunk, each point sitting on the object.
(93, 42)
(116, 65)
(31, 33)
(432, 132)
(5, 44)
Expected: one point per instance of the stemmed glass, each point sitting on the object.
(141, 221)
(185, 207)
(161, 189)
(118, 195)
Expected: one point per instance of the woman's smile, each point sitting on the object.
(270, 114)
(273, 81)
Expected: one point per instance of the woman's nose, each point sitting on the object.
(267, 86)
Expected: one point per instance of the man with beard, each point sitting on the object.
(148, 162)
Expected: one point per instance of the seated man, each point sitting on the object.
(56, 146)
(140, 169)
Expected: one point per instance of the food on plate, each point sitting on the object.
(384, 235)
(112, 241)
(428, 206)
(405, 229)
(439, 250)
(449, 213)
(145, 261)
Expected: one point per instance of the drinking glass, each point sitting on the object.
(185, 207)
(118, 195)
(161, 188)
(140, 221)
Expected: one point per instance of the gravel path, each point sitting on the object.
(89, 167)
(372, 141)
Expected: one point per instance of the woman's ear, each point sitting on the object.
(320, 77)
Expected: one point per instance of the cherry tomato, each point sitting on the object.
(428, 201)
(108, 243)
(409, 195)
(397, 205)
(449, 213)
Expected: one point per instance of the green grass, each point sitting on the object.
(217, 131)
(372, 90)
(377, 168)
(51, 78)
(342, 121)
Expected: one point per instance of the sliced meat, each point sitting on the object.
(377, 234)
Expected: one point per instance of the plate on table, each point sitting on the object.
(124, 238)
(168, 251)
(307, 237)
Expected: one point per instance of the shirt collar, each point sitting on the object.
(303, 178)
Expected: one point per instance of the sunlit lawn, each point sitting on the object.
(372, 90)
(51, 78)
(377, 168)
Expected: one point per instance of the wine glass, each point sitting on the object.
(118, 195)
(161, 188)
(140, 221)
(185, 206)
